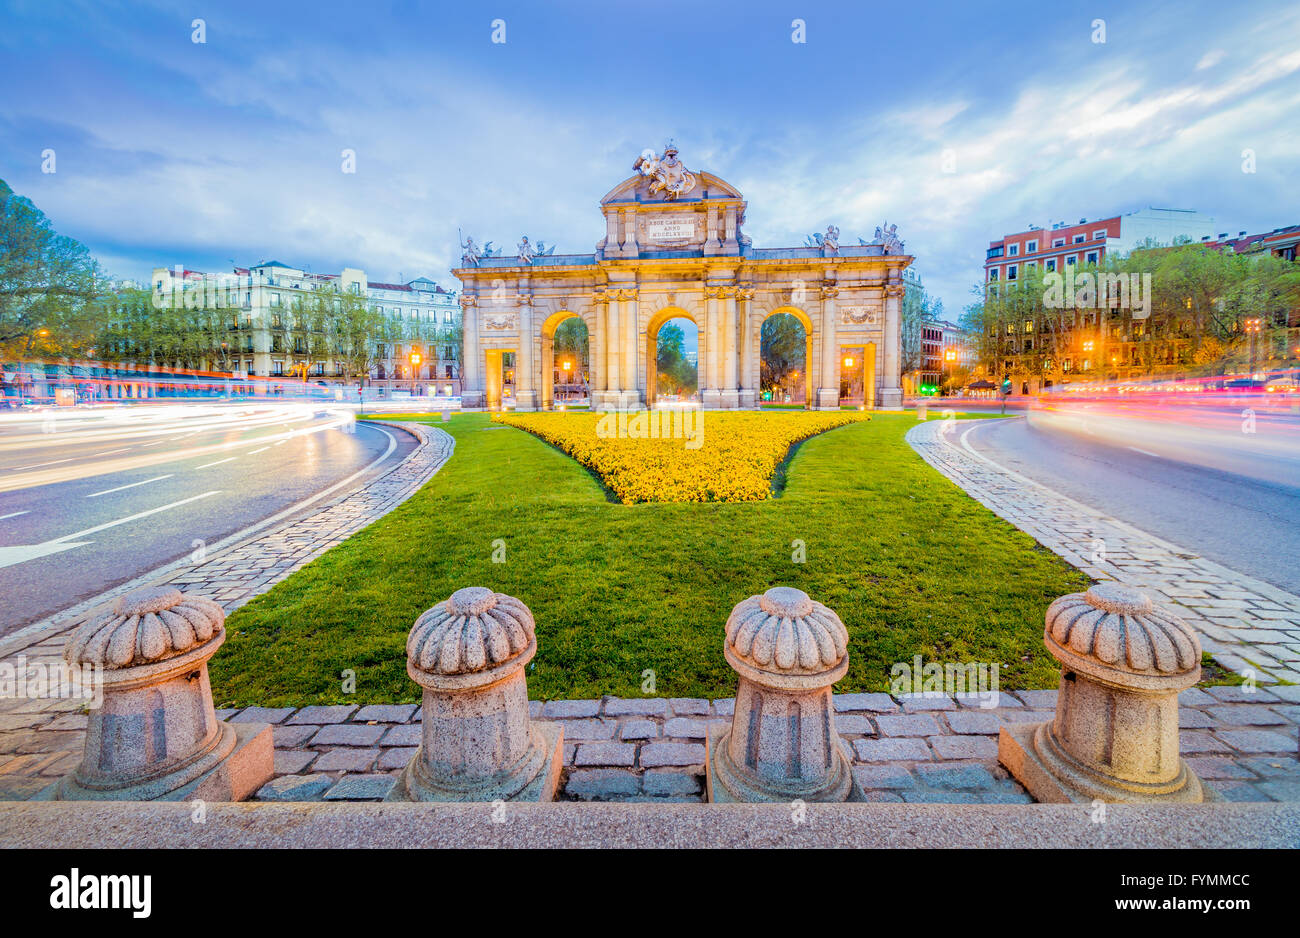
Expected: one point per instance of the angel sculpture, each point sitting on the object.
(831, 240)
(470, 253)
(526, 252)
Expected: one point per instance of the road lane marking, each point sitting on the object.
(281, 443)
(132, 485)
(217, 463)
(1145, 452)
(40, 464)
(142, 514)
(21, 553)
(13, 514)
(111, 452)
(155, 443)
(255, 451)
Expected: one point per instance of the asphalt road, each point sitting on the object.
(94, 499)
(1231, 497)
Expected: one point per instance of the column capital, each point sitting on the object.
(894, 290)
(830, 290)
(623, 293)
(468, 300)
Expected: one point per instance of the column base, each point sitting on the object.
(617, 400)
(711, 400)
(891, 399)
(470, 399)
(827, 399)
(748, 400)
(239, 764)
(1031, 754)
(535, 778)
(729, 400)
(726, 784)
(525, 401)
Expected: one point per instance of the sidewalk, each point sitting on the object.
(1248, 626)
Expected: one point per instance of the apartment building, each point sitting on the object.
(1063, 245)
(267, 337)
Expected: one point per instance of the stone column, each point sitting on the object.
(596, 350)
(749, 364)
(782, 744)
(546, 385)
(891, 393)
(828, 394)
(613, 344)
(730, 399)
(710, 392)
(476, 740)
(1115, 735)
(156, 736)
(526, 367)
(472, 388)
(631, 327)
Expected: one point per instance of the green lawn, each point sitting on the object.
(910, 563)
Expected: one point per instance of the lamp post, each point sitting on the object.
(1252, 329)
(415, 365)
(949, 356)
(565, 366)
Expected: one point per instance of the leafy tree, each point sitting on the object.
(49, 286)
(783, 349)
(675, 373)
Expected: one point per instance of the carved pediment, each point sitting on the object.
(637, 189)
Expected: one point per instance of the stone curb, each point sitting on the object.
(434, 447)
(672, 826)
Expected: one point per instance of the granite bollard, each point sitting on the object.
(157, 737)
(477, 742)
(1115, 734)
(788, 651)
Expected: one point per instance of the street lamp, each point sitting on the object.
(565, 366)
(415, 364)
(1252, 329)
(949, 356)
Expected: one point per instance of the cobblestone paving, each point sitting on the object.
(905, 749)
(1246, 624)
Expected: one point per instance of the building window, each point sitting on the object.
(1099, 235)
(1078, 239)
(1011, 271)
(1058, 242)
(277, 368)
(993, 273)
(354, 287)
(1091, 257)
(1030, 264)
(1031, 247)
(1071, 259)
(275, 299)
(1029, 325)
(1013, 250)
(1051, 263)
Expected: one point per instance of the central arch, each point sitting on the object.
(553, 322)
(806, 373)
(652, 328)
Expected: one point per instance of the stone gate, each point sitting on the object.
(674, 246)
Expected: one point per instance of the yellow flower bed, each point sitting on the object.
(681, 456)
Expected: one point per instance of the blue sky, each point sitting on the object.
(169, 151)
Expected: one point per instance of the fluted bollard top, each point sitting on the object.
(1115, 633)
(787, 640)
(470, 639)
(146, 626)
